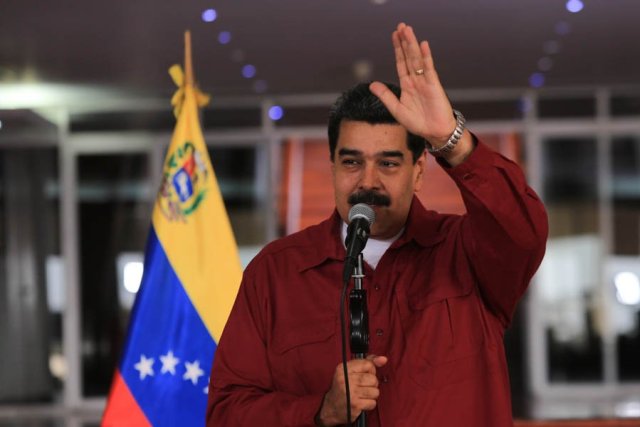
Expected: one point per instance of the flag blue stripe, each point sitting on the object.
(163, 320)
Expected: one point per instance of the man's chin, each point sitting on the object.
(378, 234)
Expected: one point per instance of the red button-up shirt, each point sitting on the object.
(439, 302)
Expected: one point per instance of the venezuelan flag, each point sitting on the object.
(191, 276)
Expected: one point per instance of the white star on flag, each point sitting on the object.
(193, 372)
(144, 366)
(169, 362)
(206, 389)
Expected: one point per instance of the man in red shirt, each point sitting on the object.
(441, 288)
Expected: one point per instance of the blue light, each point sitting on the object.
(248, 71)
(563, 28)
(237, 55)
(545, 63)
(260, 86)
(536, 80)
(276, 112)
(224, 37)
(551, 47)
(524, 105)
(209, 15)
(574, 6)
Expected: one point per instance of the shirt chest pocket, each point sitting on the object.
(445, 333)
(304, 355)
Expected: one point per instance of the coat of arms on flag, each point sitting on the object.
(184, 183)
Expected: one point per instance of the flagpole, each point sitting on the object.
(186, 248)
(188, 68)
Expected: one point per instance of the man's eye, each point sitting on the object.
(388, 164)
(349, 162)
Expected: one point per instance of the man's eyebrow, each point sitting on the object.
(382, 154)
(349, 152)
(392, 154)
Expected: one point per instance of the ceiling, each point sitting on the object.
(312, 46)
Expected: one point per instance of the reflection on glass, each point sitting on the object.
(624, 265)
(569, 277)
(241, 174)
(625, 159)
(115, 200)
(30, 302)
(130, 267)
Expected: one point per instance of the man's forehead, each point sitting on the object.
(380, 127)
(372, 138)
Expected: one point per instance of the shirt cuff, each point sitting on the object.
(469, 172)
(306, 408)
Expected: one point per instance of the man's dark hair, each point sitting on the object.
(358, 104)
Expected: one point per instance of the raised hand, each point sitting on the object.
(423, 108)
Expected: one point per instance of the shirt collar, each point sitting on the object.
(327, 242)
(423, 227)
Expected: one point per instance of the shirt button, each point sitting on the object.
(376, 287)
(467, 176)
(385, 379)
(379, 332)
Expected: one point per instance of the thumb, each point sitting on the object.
(384, 94)
(379, 361)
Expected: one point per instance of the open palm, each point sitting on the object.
(423, 107)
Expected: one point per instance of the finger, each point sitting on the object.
(427, 57)
(411, 50)
(363, 380)
(377, 360)
(354, 367)
(401, 63)
(365, 405)
(380, 361)
(368, 405)
(365, 399)
(388, 98)
(361, 366)
(364, 394)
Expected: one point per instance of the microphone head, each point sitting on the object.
(362, 210)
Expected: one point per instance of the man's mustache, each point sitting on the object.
(369, 197)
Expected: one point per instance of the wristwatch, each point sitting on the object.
(453, 139)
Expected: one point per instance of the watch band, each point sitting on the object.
(453, 139)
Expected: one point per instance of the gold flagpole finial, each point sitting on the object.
(185, 80)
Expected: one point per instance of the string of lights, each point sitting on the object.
(552, 47)
(247, 70)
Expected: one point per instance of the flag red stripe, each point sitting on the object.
(122, 409)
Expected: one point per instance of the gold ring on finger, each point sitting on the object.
(420, 71)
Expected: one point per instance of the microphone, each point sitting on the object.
(361, 218)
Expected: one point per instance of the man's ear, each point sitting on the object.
(419, 169)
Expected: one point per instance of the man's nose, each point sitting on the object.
(369, 178)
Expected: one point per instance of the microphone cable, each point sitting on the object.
(343, 297)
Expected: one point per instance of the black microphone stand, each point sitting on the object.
(359, 323)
